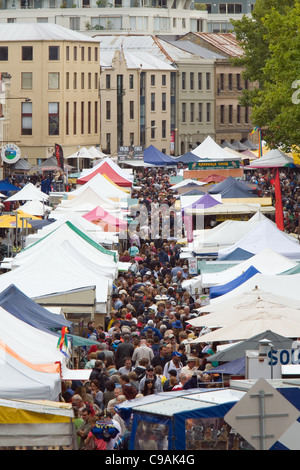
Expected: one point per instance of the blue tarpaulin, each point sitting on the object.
(236, 367)
(217, 291)
(5, 186)
(27, 310)
(153, 156)
(237, 255)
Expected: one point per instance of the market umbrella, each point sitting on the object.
(11, 221)
(259, 309)
(244, 329)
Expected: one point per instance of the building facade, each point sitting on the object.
(135, 95)
(232, 121)
(54, 89)
(90, 16)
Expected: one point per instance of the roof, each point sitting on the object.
(195, 49)
(40, 32)
(226, 43)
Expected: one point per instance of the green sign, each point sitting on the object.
(218, 165)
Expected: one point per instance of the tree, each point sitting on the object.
(271, 43)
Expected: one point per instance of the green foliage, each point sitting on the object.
(271, 44)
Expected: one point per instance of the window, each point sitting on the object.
(82, 117)
(221, 81)
(96, 54)
(246, 114)
(164, 129)
(238, 114)
(108, 110)
(153, 127)
(131, 82)
(89, 54)
(3, 53)
(200, 117)
(27, 52)
(152, 101)
(26, 119)
(183, 81)
(75, 23)
(96, 81)
(67, 80)
(208, 81)
(75, 81)
(82, 53)
(108, 142)
(108, 82)
(222, 114)
(131, 138)
(164, 101)
(238, 81)
(192, 112)
(230, 81)
(199, 81)
(75, 118)
(96, 117)
(89, 116)
(208, 113)
(82, 80)
(75, 53)
(152, 80)
(26, 80)
(67, 117)
(131, 110)
(89, 81)
(53, 52)
(164, 80)
(230, 114)
(53, 81)
(53, 118)
(68, 53)
(191, 80)
(183, 112)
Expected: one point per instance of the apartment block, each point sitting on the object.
(54, 88)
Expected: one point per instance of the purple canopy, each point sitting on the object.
(206, 201)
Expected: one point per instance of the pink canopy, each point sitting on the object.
(108, 221)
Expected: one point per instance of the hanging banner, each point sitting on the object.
(10, 153)
(59, 156)
(217, 165)
(188, 222)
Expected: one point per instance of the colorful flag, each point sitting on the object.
(63, 340)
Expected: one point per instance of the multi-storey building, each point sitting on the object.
(142, 16)
(232, 121)
(54, 88)
(135, 92)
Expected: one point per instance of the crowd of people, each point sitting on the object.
(145, 346)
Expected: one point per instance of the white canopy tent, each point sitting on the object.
(20, 382)
(210, 150)
(36, 208)
(101, 186)
(266, 262)
(264, 235)
(29, 193)
(33, 345)
(86, 201)
(283, 285)
(91, 230)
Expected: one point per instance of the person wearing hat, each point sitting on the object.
(150, 375)
(185, 272)
(151, 326)
(177, 327)
(191, 366)
(174, 364)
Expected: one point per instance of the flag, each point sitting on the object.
(63, 340)
(278, 203)
(188, 222)
(59, 156)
